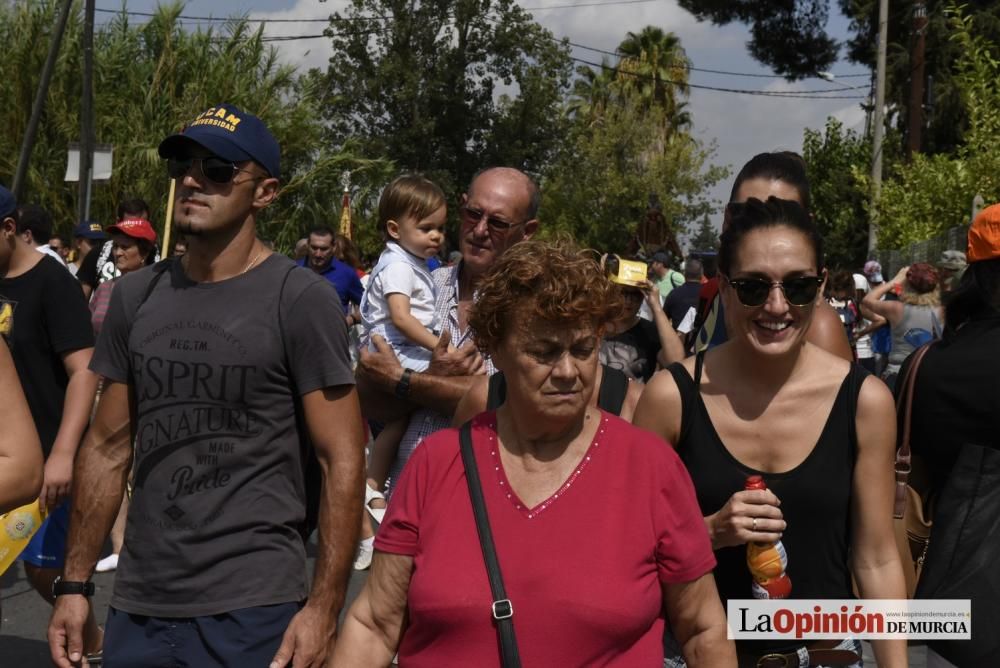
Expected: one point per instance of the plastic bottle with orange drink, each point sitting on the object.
(767, 561)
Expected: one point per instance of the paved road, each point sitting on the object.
(25, 617)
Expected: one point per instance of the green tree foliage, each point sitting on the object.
(834, 156)
(651, 72)
(654, 68)
(593, 92)
(628, 145)
(933, 193)
(706, 238)
(948, 121)
(788, 36)
(421, 84)
(149, 79)
(598, 189)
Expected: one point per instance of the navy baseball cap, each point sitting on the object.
(229, 133)
(88, 229)
(7, 203)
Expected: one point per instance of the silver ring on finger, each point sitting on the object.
(753, 527)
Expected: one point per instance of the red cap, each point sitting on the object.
(137, 228)
(984, 235)
(755, 482)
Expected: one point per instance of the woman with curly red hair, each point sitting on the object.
(557, 475)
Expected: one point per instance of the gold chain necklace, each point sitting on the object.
(253, 261)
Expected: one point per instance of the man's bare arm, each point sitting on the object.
(333, 418)
(102, 465)
(440, 388)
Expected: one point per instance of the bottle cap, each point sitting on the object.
(755, 482)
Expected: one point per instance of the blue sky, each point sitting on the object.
(740, 125)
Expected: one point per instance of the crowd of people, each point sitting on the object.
(212, 410)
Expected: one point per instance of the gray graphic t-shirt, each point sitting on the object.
(219, 495)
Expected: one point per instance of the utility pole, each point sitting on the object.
(28, 141)
(916, 116)
(878, 130)
(87, 113)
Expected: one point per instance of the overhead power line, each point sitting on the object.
(692, 68)
(327, 19)
(805, 94)
(801, 94)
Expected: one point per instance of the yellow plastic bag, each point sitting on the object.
(16, 529)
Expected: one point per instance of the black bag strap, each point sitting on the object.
(502, 609)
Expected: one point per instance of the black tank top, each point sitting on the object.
(815, 495)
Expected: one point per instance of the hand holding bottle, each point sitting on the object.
(767, 560)
(749, 515)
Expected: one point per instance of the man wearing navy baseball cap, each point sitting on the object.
(85, 237)
(237, 362)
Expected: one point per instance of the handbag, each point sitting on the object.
(911, 525)
(961, 563)
(502, 609)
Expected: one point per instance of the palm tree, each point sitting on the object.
(654, 67)
(592, 93)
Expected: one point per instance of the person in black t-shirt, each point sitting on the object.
(98, 265)
(683, 299)
(45, 323)
(635, 345)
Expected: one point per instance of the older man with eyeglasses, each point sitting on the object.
(499, 210)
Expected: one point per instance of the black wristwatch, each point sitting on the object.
(403, 386)
(62, 587)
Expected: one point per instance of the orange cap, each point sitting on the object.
(984, 235)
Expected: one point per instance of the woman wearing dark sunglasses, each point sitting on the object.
(781, 174)
(768, 402)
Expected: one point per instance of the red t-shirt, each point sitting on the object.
(582, 569)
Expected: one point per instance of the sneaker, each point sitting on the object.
(364, 559)
(107, 564)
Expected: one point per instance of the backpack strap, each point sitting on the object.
(613, 390)
(497, 392)
(159, 269)
(687, 390)
(699, 367)
(311, 473)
